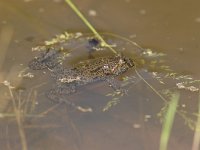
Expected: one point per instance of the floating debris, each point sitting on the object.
(148, 52)
(142, 11)
(92, 13)
(197, 19)
(84, 109)
(136, 126)
(24, 74)
(190, 88)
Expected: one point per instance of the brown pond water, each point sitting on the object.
(170, 27)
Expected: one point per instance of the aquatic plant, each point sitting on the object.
(168, 120)
(148, 59)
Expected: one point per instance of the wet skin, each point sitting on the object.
(83, 73)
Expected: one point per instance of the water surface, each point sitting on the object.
(170, 27)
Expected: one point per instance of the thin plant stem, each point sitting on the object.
(138, 74)
(19, 121)
(196, 140)
(169, 119)
(88, 24)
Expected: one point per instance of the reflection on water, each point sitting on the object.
(30, 121)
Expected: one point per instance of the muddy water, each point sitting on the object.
(170, 27)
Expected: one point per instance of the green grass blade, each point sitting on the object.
(196, 140)
(87, 23)
(169, 119)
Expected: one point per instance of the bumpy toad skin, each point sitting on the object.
(100, 69)
(92, 70)
(46, 59)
